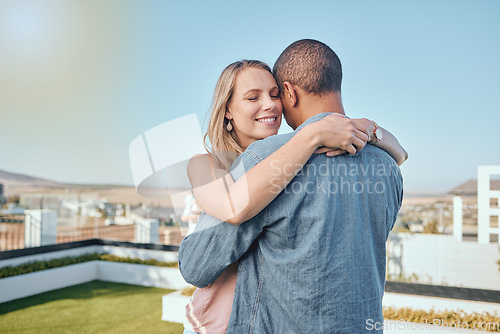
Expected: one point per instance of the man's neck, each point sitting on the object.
(311, 104)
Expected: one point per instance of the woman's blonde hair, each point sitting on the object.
(224, 144)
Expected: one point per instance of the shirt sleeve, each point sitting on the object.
(214, 244)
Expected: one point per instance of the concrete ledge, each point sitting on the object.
(26, 285)
(174, 310)
(454, 292)
(139, 253)
(73, 252)
(76, 244)
(140, 274)
(174, 307)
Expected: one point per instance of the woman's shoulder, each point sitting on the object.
(198, 161)
(200, 157)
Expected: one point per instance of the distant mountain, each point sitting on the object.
(20, 180)
(14, 180)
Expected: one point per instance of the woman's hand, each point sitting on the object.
(330, 152)
(388, 143)
(337, 134)
(366, 126)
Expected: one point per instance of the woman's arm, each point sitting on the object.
(391, 145)
(235, 202)
(388, 143)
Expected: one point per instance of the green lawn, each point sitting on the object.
(94, 307)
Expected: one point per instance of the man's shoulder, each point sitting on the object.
(376, 151)
(256, 152)
(380, 162)
(261, 149)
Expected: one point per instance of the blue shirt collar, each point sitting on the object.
(313, 119)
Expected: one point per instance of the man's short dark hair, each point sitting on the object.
(311, 65)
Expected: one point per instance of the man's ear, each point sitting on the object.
(290, 94)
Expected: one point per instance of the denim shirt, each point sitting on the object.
(313, 261)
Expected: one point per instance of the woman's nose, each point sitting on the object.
(269, 104)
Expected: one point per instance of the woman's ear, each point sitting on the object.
(290, 94)
(228, 114)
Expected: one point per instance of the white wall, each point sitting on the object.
(25, 285)
(143, 254)
(442, 260)
(40, 227)
(21, 286)
(159, 277)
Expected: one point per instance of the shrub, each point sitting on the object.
(66, 261)
(458, 318)
(26, 268)
(413, 278)
(431, 227)
(151, 262)
(188, 291)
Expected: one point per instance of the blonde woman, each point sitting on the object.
(246, 108)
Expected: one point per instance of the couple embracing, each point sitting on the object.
(294, 226)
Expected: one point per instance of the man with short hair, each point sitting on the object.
(313, 261)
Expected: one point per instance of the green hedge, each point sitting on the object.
(150, 262)
(66, 261)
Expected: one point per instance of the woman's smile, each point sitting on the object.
(266, 120)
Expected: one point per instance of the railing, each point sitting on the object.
(172, 235)
(11, 232)
(112, 232)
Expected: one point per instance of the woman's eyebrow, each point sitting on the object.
(258, 90)
(253, 90)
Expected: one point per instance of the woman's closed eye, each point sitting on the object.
(275, 93)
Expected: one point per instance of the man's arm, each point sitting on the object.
(214, 245)
(208, 251)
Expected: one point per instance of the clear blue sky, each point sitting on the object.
(80, 80)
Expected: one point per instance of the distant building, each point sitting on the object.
(13, 209)
(415, 227)
(163, 214)
(486, 191)
(3, 199)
